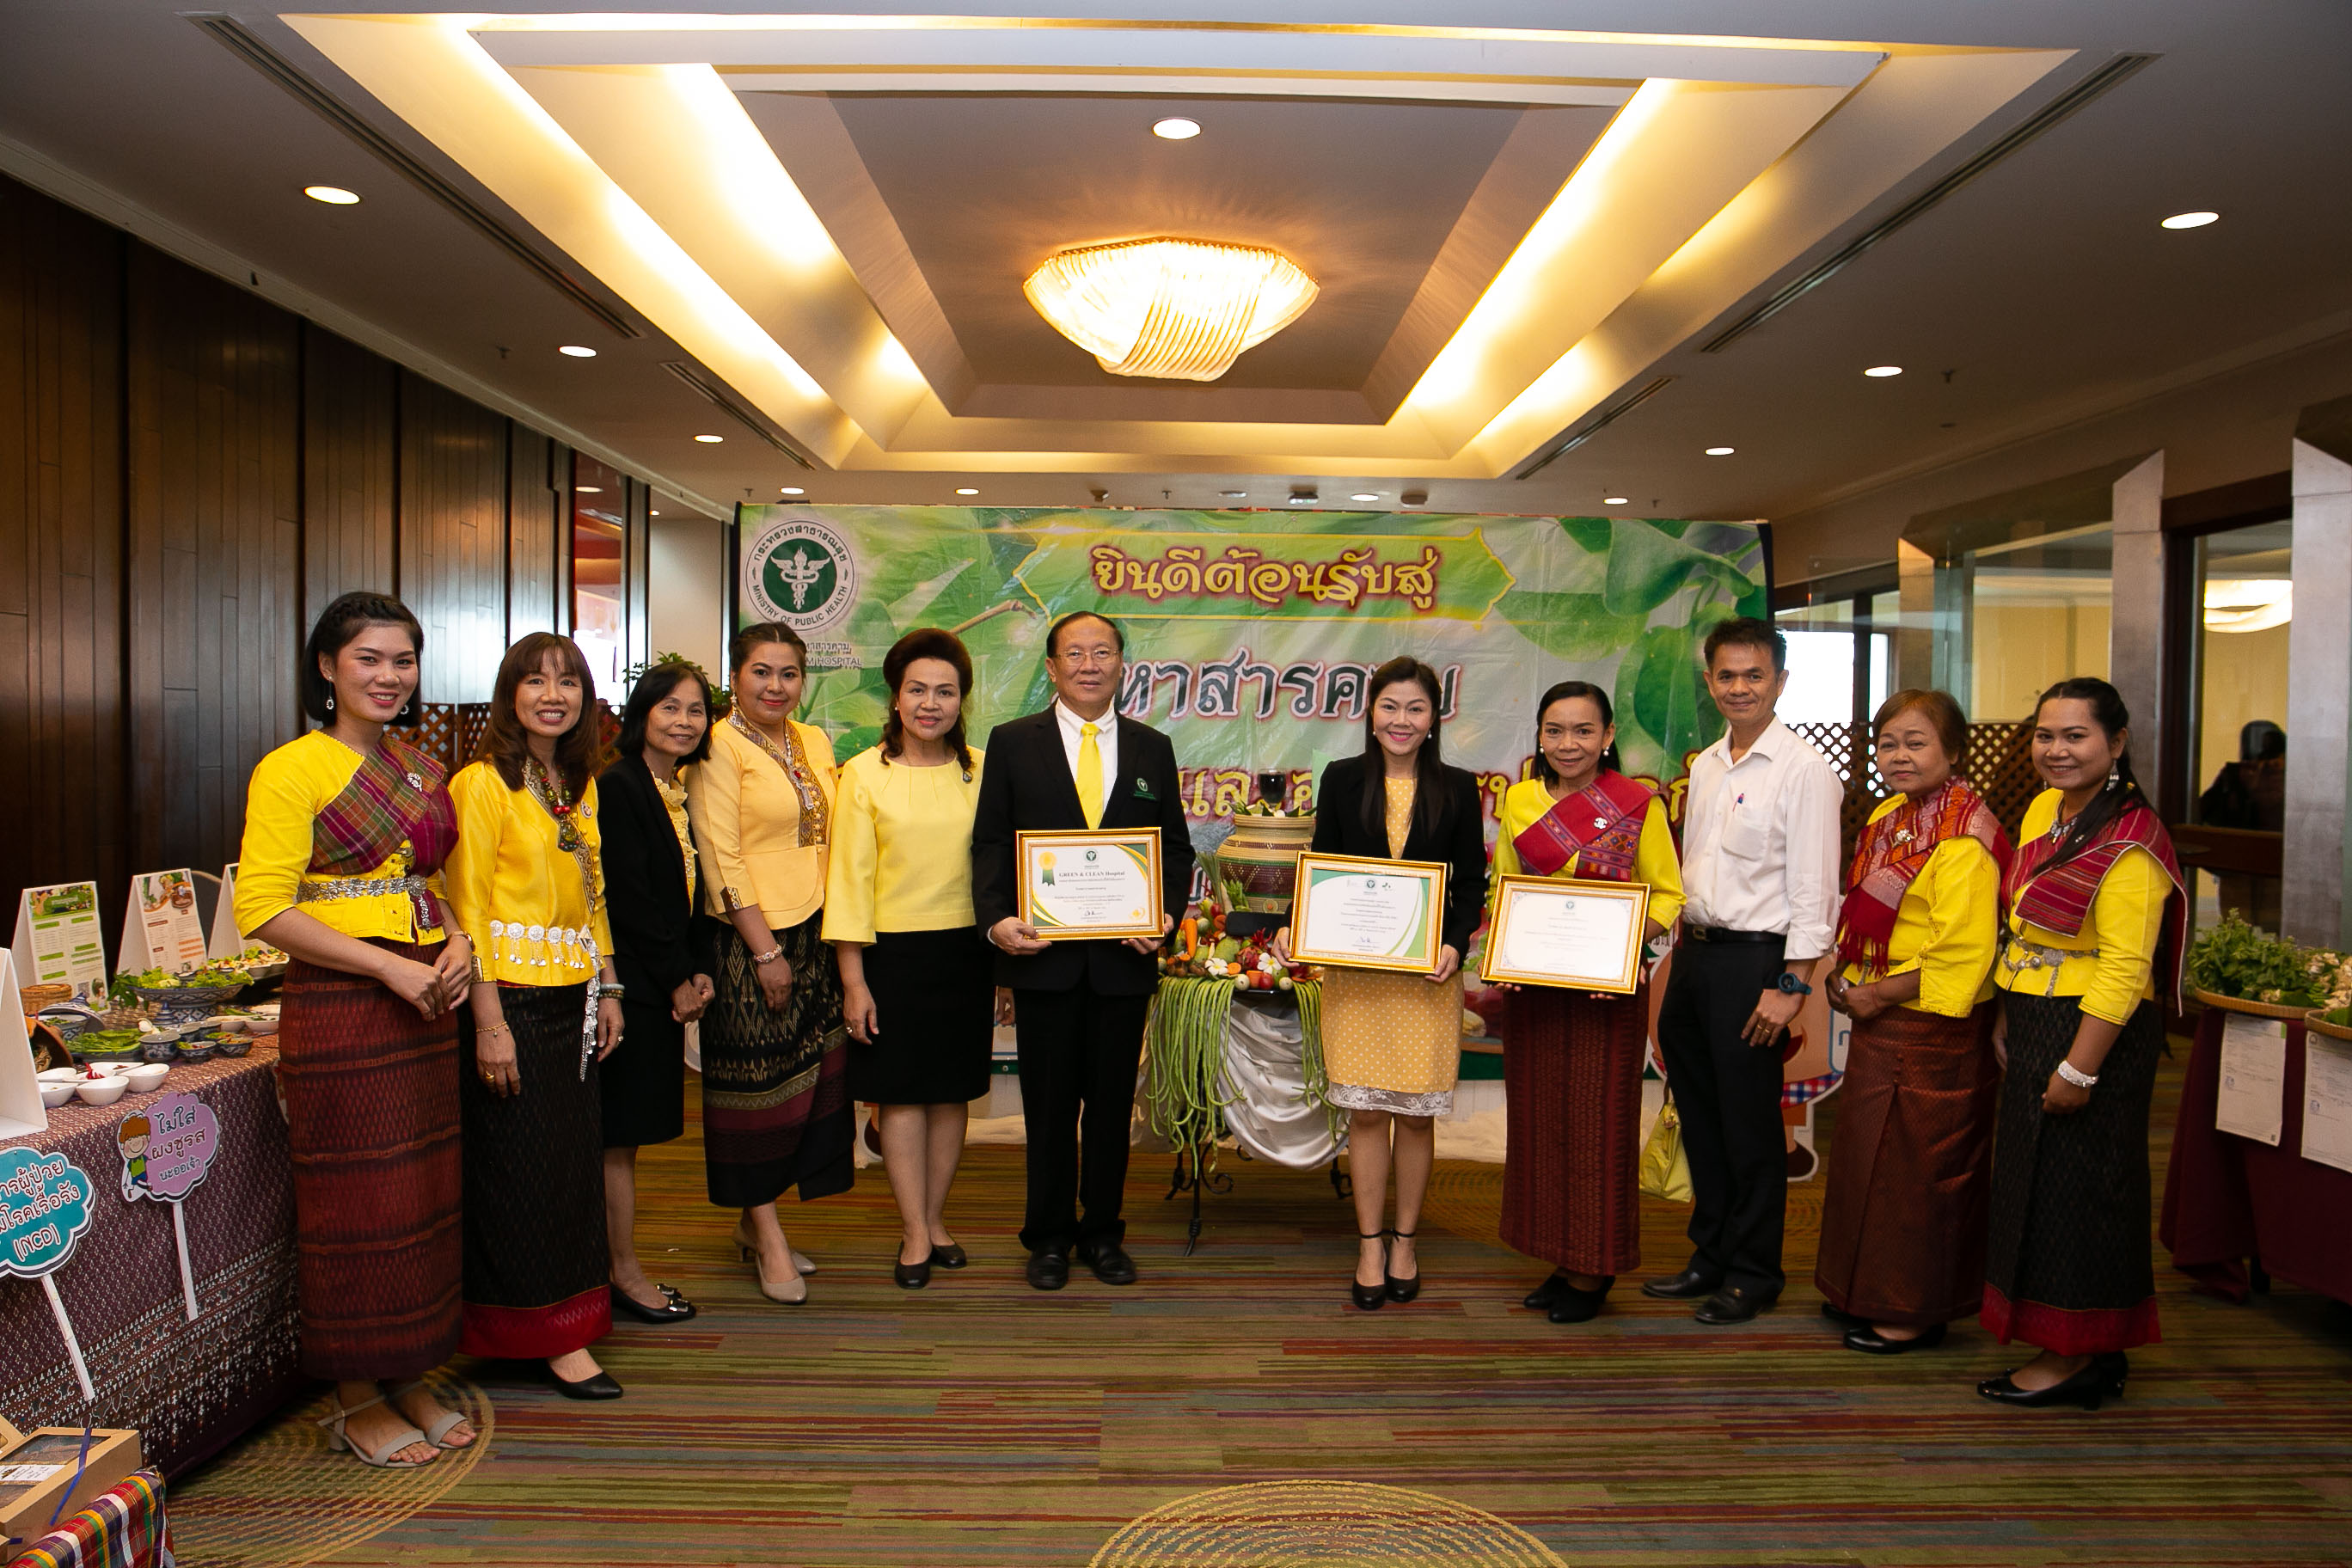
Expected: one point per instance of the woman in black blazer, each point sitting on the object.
(1392, 1042)
(650, 875)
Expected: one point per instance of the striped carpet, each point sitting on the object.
(1232, 1408)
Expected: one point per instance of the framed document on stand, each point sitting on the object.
(1089, 884)
(1361, 913)
(1558, 931)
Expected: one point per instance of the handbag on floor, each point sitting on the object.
(1666, 1172)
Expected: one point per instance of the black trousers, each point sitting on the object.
(1079, 1052)
(1727, 1093)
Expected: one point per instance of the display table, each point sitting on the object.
(2229, 1199)
(189, 1388)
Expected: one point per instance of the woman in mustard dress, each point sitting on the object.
(2094, 930)
(526, 879)
(916, 980)
(1572, 1061)
(346, 831)
(776, 1111)
(1392, 1042)
(1902, 1221)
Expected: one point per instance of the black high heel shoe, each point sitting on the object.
(1369, 1297)
(675, 1307)
(1575, 1306)
(1400, 1290)
(1543, 1296)
(2102, 1379)
(1866, 1338)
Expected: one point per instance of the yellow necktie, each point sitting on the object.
(1090, 799)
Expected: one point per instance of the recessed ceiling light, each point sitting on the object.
(966, 490)
(1235, 495)
(1302, 501)
(795, 491)
(1882, 371)
(1176, 129)
(1363, 495)
(1612, 501)
(655, 512)
(577, 350)
(587, 489)
(333, 195)
(710, 440)
(2191, 220)
(1718, 451)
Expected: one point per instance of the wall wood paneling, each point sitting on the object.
(188, 474)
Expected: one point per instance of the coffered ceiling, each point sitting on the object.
(1536, 226)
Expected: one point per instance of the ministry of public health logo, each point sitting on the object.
(801, 571)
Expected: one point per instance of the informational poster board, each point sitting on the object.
(21, 1111)
(2252, 1099)
(58, 940)
(2327, 1101)
(161, 927)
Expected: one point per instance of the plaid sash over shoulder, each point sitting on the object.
(1893, 852)
(2060, 900)
(398, 799)
(1599, 827)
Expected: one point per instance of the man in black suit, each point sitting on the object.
(1078, 1006)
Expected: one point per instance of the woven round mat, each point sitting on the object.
(1319, 1524)
(281, 1498)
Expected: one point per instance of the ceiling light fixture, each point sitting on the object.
(1719, 451)
(1176, 129)
(1235, 495)
(710, 440)
(653, 513)
(2257, 605)
(587, 489)
(333, 195)
(577, 350)
(1363, 495)
(1882, 371)
(1181, 309)
(2191, 220)
(1612, 501)
(795, 491)
(966, 490)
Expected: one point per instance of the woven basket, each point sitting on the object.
(2259, 1009)
(2319, 1025)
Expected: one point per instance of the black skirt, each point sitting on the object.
(934, 1007)
(644, 1078)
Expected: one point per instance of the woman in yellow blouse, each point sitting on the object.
(915, 974)
(526, 881)
(1572, 1062)
(2095, 925)
(1903, 1225)
(776, 1111)
(346, 831)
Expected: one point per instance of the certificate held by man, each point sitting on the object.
(1362, 914)
(1089, 884)
(1559, 931)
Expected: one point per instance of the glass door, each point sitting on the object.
(2244, 597)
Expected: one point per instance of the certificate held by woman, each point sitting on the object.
(1363, 913)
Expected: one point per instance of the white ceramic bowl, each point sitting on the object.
(101, 1090)
(146, 1077)
(56, 1094)
(66, 1076)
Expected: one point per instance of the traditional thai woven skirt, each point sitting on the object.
(537, 1265)
(1572, 1106)
(1910, 1169)
(776, 1111)
(2066, 1259)
(372, 1127)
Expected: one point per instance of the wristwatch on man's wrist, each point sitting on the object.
(1788, 985)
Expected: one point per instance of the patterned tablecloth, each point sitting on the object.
(189, 1388)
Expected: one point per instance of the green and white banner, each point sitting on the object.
(1251, 635)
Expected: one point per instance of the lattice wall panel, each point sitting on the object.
(1999, 763)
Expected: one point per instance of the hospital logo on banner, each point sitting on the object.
(800, 570)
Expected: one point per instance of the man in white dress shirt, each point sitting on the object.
(1761, 888)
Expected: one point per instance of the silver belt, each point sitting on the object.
(335, 888)
(2040, 957)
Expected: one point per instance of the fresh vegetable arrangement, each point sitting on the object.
(1199, 949)
(2236, 960)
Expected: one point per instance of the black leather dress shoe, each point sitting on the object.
(1049, 1268)
(1870, 1342)
(911, 1276)
(952, 1255)
(2103, 1379)
(1732, 1304)
(1112, 1265)
(1689, 1284)
(1541, 1298)
(675, 1307)
(599, 1386)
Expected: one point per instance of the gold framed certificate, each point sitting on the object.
(1361, 913)
(1559, 931)
(1089, 884)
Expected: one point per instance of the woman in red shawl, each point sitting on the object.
(1903, 1222)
